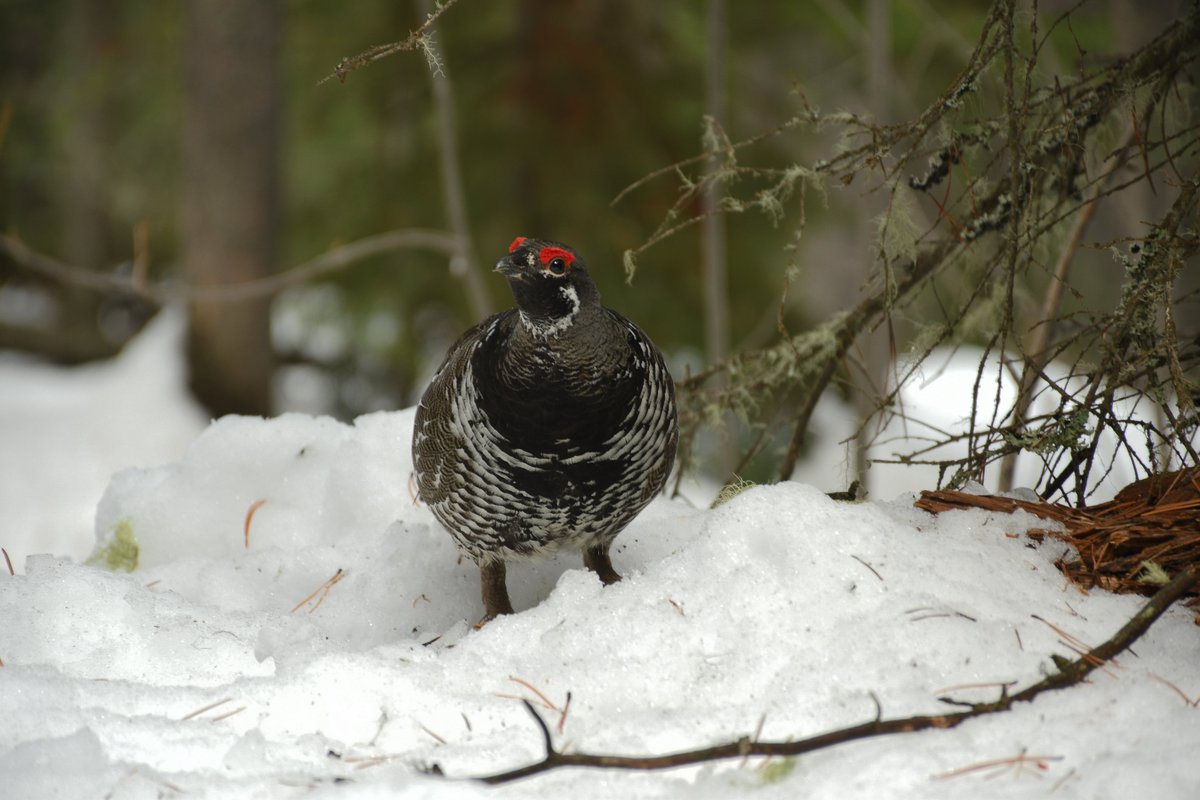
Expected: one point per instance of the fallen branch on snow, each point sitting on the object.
(1070, 673)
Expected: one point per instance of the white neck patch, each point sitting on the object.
(545, 330)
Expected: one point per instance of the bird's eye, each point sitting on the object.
(557, 266)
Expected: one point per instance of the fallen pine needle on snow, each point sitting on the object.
(758, 729)
(546, 702)
(206, 709)
(1070, 673)
(562, 718)
(229, 714)
(255, 506)
(436, 737)
(1076, 645)
(1000, 766)
(1189, 701)
(874, 571)
(323, 590)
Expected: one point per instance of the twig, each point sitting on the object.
(329, 261)
(800, 429)
(323, 589)
(1035, 352)
(371, 54)
(1069, 674)
(696, 159)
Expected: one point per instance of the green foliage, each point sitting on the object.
(1153, 574)
(120, 553)
(776, 770)
(1064, 431)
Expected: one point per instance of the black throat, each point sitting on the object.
(551, 305)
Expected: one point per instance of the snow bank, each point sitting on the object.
(64, 432)
(203, 672)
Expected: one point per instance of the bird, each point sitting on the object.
(548, 425)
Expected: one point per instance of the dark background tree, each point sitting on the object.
(230, 190)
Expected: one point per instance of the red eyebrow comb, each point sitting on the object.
(517, 242)
(548, 254)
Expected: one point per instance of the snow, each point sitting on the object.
(64, 432)
(205, 673)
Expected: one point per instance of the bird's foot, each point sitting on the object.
(596, 559)
(495, 591)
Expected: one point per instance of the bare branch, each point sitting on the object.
(1070, 673)
(329, 261)
(1029, 149)
(418, 38)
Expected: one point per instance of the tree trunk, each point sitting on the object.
(230, 188)
(713, 248)
(871, 382)
(87, 50)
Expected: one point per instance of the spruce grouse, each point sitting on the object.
(552, 424)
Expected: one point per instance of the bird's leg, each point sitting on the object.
(596, 559)
(495, 591)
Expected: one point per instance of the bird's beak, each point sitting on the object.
(509, 267)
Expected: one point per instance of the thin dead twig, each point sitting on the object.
(323, 590)
(372, 54)
(1070, 673)
(1040, 333)
(330, 261)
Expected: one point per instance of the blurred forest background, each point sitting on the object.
(832, 189)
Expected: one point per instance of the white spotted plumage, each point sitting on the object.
(547, 426)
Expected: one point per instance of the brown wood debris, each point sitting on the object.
(1152, 521)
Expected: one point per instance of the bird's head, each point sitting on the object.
(549, 281)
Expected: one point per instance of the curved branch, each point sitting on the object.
(414, 40)
(1070, 673)
(329, 261)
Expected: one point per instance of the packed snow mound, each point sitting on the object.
(294, 624)
(64, 432)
